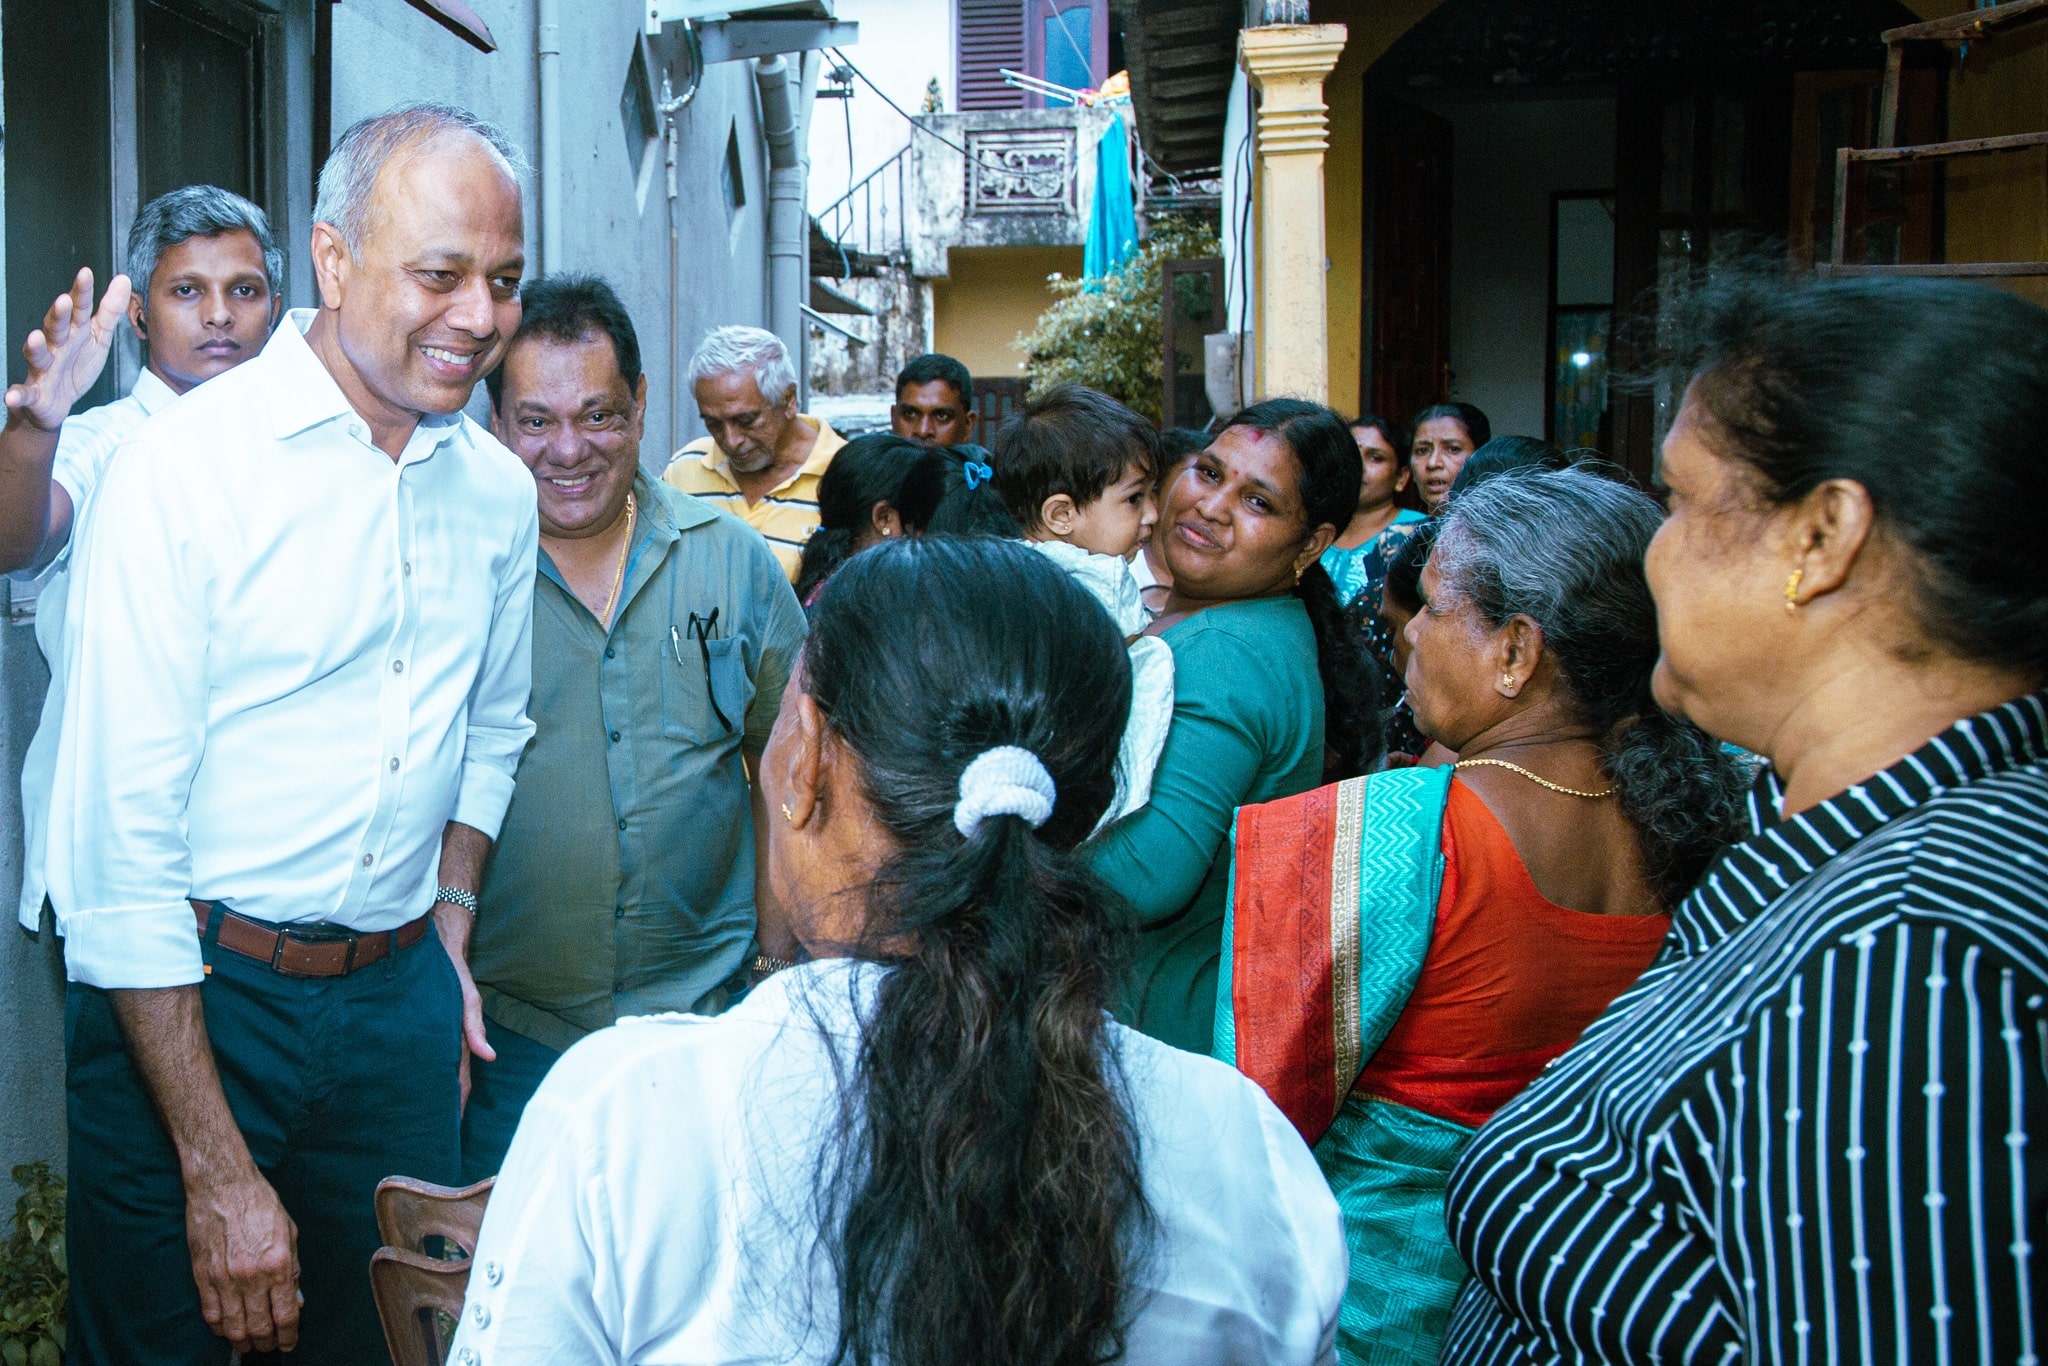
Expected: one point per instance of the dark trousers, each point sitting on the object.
(498, 1092)
(335, 1083)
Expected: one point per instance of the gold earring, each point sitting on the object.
(1507, 684)
(788, 814)
(1792, 590)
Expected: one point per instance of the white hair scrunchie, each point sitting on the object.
(1004, 781)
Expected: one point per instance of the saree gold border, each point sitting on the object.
(1345, 914)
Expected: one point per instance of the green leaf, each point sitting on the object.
(45, 1353)
(12, 1353)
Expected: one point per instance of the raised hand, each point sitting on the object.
(66, 354)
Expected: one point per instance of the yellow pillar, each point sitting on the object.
(1287, 64)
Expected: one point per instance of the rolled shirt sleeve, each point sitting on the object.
(120, 866)
(498, 724)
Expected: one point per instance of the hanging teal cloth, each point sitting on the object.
(1113, 221)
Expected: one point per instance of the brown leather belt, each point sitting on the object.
(293, 955)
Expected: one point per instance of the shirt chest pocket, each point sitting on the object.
(705, 689)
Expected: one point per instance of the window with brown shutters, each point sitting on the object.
(991, 38)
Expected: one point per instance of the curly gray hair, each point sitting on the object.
(730, 350)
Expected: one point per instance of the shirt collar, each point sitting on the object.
(304, 393)
(823, 447)
(1977, 747)
(152, 393)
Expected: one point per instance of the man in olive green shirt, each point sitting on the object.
(623, 880)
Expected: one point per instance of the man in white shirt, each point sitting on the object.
(212, 281)
(297, 669)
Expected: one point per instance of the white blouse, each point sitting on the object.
(659, 1204)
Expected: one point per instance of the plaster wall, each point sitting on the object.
(617, 224)
(993, 296)
(1507, 158)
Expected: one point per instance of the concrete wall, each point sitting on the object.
(386, 52)
(993, 296)
(1507, 158)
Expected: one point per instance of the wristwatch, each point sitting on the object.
(456, 896)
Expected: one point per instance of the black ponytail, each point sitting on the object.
(984, 1197)
(865, 471)
(1565, 549)
(1353, 740)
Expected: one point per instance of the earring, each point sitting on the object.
(788, 814)
(1507, 684)
(1792, 590)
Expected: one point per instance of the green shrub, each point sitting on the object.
(33, 1283)
(1111, 338)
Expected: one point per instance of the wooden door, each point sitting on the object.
(1408, 205)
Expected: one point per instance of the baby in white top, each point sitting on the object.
(1080, 472)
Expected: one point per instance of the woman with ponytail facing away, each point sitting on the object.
(1457, 928)
(1272, 695)
(928, 1144)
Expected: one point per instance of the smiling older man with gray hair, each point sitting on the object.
(298, 659)
(763, 459)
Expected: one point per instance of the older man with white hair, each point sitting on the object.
(763, 459)
(298, 659)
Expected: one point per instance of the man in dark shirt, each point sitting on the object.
(623, 882)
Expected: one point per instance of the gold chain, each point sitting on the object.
(619, 574)
(1540, 782)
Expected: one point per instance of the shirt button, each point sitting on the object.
(610, 653)
(618, 912)
(408, 568)
(468, 1357)
(493, 1273)
(369, 859)
(394, 763)
(615, 737)
(398, 666)
(479, 1315)
(622, 822)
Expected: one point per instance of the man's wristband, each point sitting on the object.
(456, 896)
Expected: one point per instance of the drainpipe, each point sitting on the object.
(548, 44)
(786, 225)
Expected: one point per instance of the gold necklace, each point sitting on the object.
(1540, 782)
(618, 574)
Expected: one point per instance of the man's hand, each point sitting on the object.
(244, 1247)
(65, 355)
(463, 850)
(453, 922)
(245, 1260)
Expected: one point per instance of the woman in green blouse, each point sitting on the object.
(1271, 694)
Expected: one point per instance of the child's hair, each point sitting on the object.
(952, 492)
(867, 470)
(1072, 440)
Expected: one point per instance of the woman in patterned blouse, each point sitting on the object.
(1814, 1129)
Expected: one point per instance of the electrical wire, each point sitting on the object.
(1038, 180)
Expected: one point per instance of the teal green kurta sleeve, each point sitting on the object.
(1247, 727)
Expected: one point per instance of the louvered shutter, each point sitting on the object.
(991, 38)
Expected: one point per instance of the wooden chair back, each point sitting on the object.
(420, 1275)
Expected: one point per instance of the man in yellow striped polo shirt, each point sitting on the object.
(763, 459)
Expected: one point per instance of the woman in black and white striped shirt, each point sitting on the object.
(1813, 1132)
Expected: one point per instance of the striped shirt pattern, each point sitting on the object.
(1808, 1133)
(786, 516)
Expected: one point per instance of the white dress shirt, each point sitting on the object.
(658, 1204)
(290, 661)
(85, 443)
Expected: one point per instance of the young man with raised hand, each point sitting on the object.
(211, 282)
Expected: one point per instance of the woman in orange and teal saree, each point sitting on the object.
(1406, 951)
